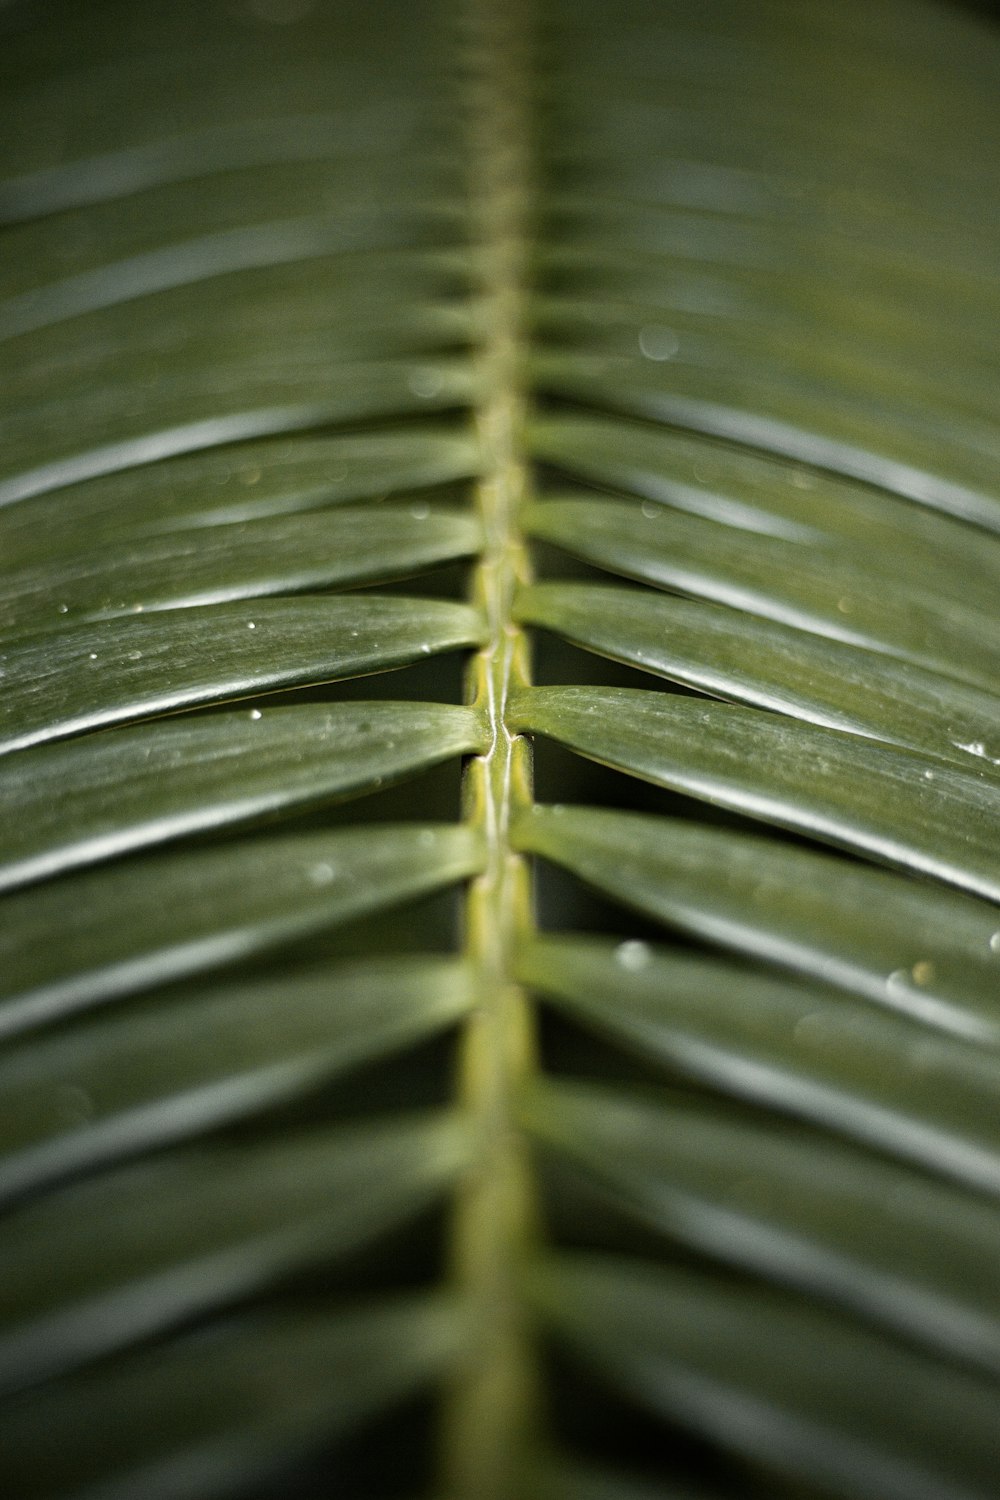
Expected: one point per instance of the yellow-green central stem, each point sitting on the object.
(493, 1406)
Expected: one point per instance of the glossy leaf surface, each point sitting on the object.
(553, 1048)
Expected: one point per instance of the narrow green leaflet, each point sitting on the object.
(358, 1134)
(794, 422)
(826, 593)
(202, 1229)
(141, 923)
(891, 804)
(751, 660)
(196, 155)
(806, 1052)
(246, 560)
(115, 670)
(829, 1220)
(81, 801)
(159, 223)
(187, 265)
(779, 1380)
(248, 482)
(210, 1412)
(357, 392)
(177, 1067)
(710, 337)
(761, 494)
(930, 954)
(904, 415)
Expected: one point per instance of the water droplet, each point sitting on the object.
(658, 343)
(251, 475)
(633, 955)
(928, 775)
(321, 874)
(420, 511)
(845, 605)
(426, 838)
(802, 479)
(922, 971)
(64, 609)
(425, 384)
(425, 648)
(135, 656)
(651, 511)
(974, 747)
(93, 655)
(995, 943)
(255, 713)
(251, 625)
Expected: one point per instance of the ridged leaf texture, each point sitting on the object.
(499, 750)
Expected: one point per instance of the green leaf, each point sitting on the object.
(246, 561)
(889, 803)
(345, 1145)
(289, 1383)
(865, 1418)
(203, 1230)
(827, 594)
(879, 443)
(188, 774)
(909, 947)
(747, 659)
(132, 1078)
(826, 1220)
(121, 669)
(218, 485)
(382, 389)
(801, 1051)
(143, 923)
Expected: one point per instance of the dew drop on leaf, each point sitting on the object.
(658, 343)
(633, 955)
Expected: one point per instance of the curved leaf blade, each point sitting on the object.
(223, 485)
(832, 1222)
(929, 954)
(869, 1417)
(115, 670)
(825, 593)
(87, 800)
(756, 493)
(229, 1407)
(146, 921)
(181, 1066)
(891, 804)
(247, 560)
(751, 660)
(200, 1230)
(805, 1052)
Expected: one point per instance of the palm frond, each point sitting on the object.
(499, 744)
